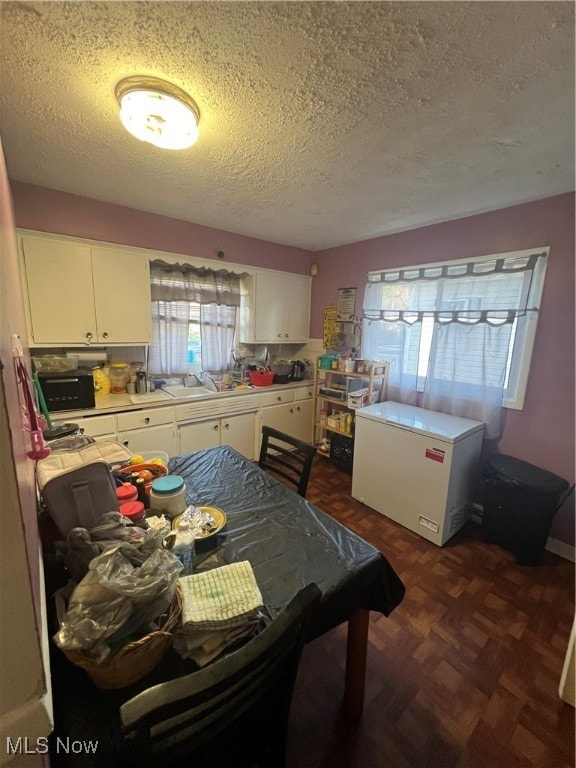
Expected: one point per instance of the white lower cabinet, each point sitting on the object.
(293, 418)
(149, 439)
(235, 431)
(148, 430)
(304, 420)
(196, 425)
(99, 427)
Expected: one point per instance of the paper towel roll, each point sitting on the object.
(88, 357)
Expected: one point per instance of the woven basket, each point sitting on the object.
(135, 659)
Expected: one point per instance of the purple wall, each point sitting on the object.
(542, 433)
(47, 210)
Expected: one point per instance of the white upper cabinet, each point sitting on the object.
(122, 296)
(275, 308)
(58, 279)
(77, 293)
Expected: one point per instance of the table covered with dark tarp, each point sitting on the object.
(288, 541)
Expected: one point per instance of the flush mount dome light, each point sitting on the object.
(158, 112)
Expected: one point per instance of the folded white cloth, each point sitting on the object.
(220, 599)
(219, 608)
(206, 644)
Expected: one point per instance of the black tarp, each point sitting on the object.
(289, 543)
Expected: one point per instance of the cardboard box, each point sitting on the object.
(360, 398)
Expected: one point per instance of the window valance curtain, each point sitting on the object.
(447, 331)
(184, 282)
(181, 294)
(493, 292)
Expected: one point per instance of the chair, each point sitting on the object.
(293, 463)
(233, 712)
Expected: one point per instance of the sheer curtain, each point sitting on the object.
(177, 290)
(447, 331)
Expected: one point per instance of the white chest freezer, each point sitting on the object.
(417, 467)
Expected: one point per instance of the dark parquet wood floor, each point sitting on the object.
(463, 674)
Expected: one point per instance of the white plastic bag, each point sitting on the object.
(115, 598)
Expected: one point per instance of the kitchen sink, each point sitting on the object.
(179, 390)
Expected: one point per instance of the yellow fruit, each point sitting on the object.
(137, 459)
(157, 461)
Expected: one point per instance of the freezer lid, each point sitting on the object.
(441, 426)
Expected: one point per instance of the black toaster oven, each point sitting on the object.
(68, 391)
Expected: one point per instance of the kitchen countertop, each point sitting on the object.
(119, 403)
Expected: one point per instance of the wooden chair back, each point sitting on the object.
(287, 456)
(233, 712)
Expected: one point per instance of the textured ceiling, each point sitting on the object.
(322, 123)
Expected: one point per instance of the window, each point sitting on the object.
(193, 318)
(457, 333)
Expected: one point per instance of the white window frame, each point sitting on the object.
(525, 334)
(524, 329)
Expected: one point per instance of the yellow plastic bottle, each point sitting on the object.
(101, 381)
(349, 424)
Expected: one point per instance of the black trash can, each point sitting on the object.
(520, 501)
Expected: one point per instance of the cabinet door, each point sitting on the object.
(297, 309)
(279, 417)
(122, 296)
(281, 308)
(199, 435)
(60, 295)
(270, 308)
(303, 422)
(149, 439)
(238, 433)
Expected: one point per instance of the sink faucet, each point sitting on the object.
(192, 380)
(208, 381)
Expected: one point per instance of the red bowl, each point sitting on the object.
(261, 379)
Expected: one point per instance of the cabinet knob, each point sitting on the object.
(215, 427)
(279, 398)
(286, 335)
(279, 335)
(147, 420)
(226, 426)
(89, 338)
(291, 410)
(297, 407)
(105, 335)
(125, 442)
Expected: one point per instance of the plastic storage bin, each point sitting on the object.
(520, 501)
(168, 495)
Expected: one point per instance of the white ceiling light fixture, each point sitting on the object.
(158, 112)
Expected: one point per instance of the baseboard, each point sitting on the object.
(560, 548)
(557, 547)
